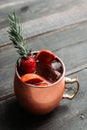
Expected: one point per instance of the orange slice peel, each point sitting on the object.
(31, 78)
(45, 56)
(42, 84)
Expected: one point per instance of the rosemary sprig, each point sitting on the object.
(15, 35)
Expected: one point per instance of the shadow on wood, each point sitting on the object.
(18, 118)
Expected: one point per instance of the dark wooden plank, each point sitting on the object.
(29, 10)
(76, 32)
(70, 13)
(70, 115)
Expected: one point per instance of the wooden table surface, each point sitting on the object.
(57, 25)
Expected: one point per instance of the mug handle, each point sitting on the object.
(70, 81)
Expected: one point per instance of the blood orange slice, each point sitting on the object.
(41, 84)
(45, 56)
(31, 78)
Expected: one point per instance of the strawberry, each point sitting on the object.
(26, 62)
(28, 65)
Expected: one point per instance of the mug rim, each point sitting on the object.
(49, 85)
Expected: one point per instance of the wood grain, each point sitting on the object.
(66, 16)
(33, 9)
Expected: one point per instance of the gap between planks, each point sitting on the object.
(73, 71)
(50, 31)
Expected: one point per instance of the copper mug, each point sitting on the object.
(42, 100)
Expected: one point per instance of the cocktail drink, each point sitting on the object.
(40, 92)
(39, 80)
(48, 69)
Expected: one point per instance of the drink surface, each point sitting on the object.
(51, 72)
(49, 69)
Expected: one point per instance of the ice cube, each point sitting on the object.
(48, 73)
(56, 66)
